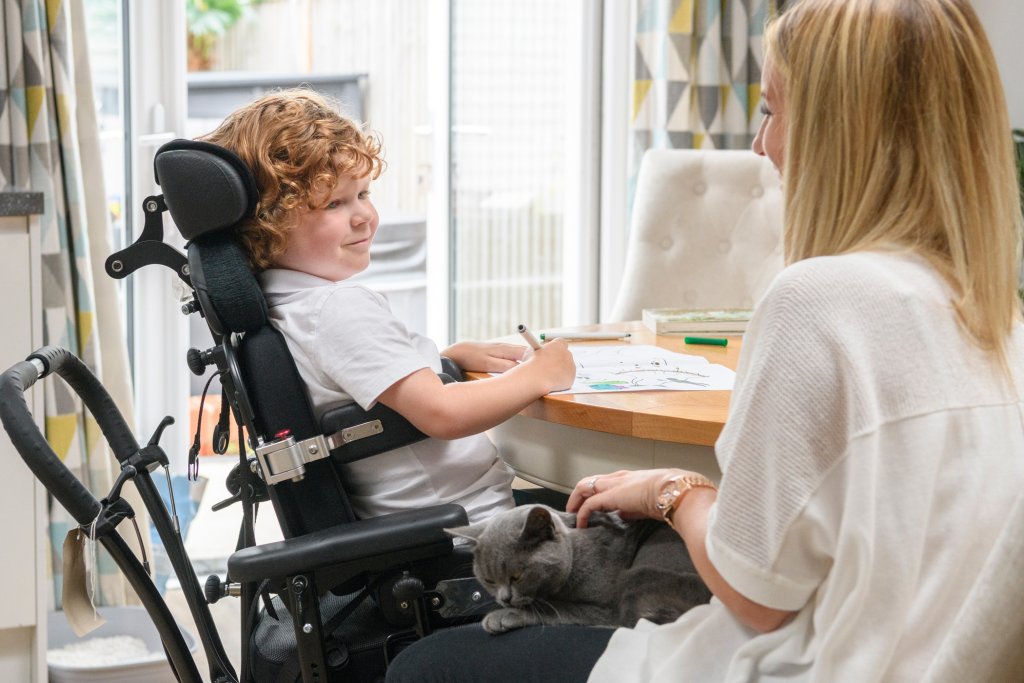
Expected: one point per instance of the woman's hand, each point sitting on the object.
(632, 493)
(485, 356)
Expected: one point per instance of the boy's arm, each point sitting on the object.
(451, 411)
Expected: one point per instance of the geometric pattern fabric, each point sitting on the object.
(697, 75)
(44, 81)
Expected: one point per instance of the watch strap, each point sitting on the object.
(674, 489)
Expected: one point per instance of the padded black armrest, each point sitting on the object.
(397, 431)
(375, 537)
(451, 369)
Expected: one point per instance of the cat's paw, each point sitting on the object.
(506, 619)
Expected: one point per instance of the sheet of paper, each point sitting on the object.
(638, 367)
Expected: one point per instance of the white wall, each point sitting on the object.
(1004, 22)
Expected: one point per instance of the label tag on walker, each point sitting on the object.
(75, 599)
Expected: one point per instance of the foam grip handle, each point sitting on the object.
(50, 357)
(30, 442)
(33, 448)
(80, 378)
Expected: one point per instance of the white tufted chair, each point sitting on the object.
(706, 232)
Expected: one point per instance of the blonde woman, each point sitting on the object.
(875, 443)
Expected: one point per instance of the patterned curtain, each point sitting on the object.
(49, 142)
(697, 75)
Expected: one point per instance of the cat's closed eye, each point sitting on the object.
(516, 575)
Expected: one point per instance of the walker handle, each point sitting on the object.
(29, 440)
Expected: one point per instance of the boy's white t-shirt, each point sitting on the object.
(348, 346)
(869, 461)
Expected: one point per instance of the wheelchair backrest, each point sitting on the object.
(209, 191)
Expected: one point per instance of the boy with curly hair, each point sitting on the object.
(312, 229)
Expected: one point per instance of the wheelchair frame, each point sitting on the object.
(326, 550)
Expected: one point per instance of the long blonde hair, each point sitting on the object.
(297, 145)
(898, 137)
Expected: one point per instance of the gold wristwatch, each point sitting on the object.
(672, 492)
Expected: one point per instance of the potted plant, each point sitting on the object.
(206, 21)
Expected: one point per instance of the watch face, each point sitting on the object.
(669, 492)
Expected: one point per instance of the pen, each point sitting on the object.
(709, 341)
(545, 336)
(528, 336)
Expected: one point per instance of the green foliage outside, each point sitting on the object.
(207, 20)
(214, 17)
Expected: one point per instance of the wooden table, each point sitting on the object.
(557, 440)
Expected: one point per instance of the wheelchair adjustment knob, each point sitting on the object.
(215, 589)
(198, 360)
(221, 440)
(407, 591)
(212, 589)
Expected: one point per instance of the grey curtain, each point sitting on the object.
(49, 142)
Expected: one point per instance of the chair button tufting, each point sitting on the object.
(756, 191)
(666, 243)
(699, 188)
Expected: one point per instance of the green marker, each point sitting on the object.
(708, 341)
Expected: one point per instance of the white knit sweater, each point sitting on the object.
(869, 459)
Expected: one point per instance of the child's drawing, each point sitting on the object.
(637, 367)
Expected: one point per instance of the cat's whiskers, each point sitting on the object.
(534, 607)
(538, 602)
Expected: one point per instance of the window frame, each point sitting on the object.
(155, 110)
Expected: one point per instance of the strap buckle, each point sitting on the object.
(286, 459)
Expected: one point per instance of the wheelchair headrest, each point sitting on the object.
(206, 187)
(208, 190)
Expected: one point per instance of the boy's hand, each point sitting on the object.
(485, 356)
(554, 363)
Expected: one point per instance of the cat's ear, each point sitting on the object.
(539, 526)
(471, 533)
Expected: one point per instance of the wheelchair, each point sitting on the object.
(339, 596)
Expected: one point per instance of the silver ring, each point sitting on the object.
(592, 485)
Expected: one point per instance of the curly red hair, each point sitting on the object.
(298, 146)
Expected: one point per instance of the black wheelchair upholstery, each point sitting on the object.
(270, 395)
(207, 191)
(339, 595)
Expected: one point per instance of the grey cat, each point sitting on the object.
(541, 569)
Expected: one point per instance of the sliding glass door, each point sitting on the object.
(488, 112)
(524, 144)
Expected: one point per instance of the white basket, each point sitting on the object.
(121, 621)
